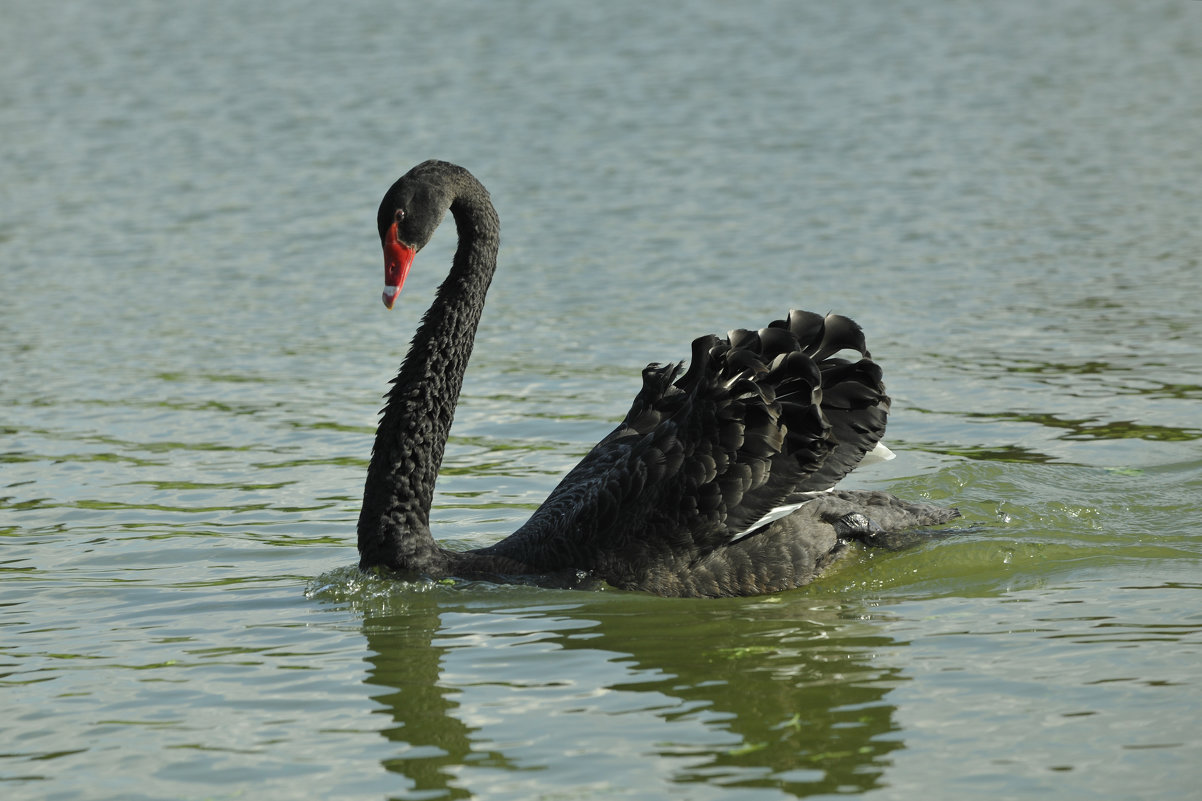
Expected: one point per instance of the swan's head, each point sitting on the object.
(408, 216)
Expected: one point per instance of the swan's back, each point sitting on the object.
(707, 472)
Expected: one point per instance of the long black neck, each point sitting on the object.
(394, 523)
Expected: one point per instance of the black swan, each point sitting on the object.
(717, 483)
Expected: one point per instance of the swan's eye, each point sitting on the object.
(400, 215)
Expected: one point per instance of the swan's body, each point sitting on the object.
(716, 483)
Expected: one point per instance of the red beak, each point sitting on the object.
(397, 260)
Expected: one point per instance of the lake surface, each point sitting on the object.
(193, 350)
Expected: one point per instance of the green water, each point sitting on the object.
(192, 354)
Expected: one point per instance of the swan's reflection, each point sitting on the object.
(543, 689)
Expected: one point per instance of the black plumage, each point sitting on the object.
(715, 483)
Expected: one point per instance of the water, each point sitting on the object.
(192, 351)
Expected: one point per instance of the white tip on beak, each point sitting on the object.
(390, 293)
